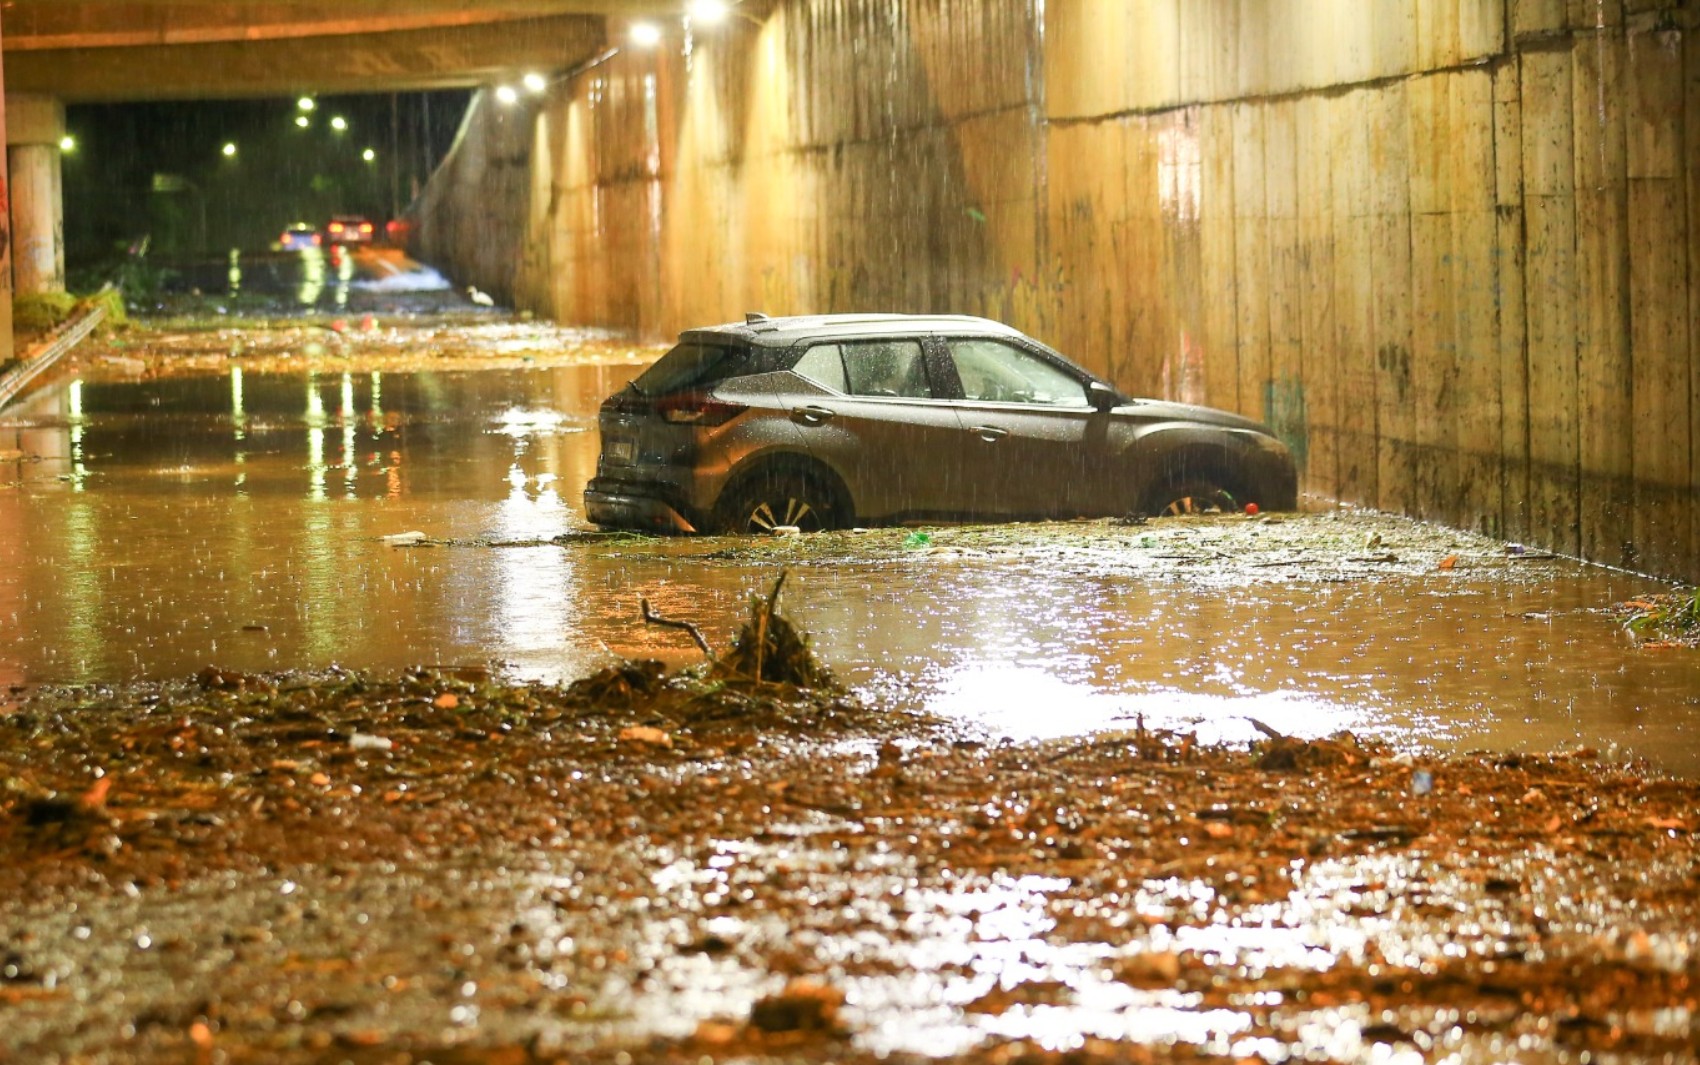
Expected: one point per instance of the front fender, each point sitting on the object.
(1252, 464)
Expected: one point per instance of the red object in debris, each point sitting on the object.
(368, 324)
(339, 325)
(1251, 508)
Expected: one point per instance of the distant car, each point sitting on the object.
(350, 229)
(299, 237)
(822, 422)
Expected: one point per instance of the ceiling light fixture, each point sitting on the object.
(708, 12)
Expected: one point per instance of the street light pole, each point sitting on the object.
(395, 152)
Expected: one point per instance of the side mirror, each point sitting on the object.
(1102, 396)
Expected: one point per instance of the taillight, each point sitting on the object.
(697, 408)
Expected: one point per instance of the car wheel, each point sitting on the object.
(776, 499)
(1192, 497)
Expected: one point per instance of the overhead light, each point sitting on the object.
(535, 82)
(67, 143)
(506, 94)
(339, 123)
(368, 155)
(306, 103)
(303, 121)
(229, 149)
(708, 12)
(646, 34)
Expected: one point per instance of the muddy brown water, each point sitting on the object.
(149, 528)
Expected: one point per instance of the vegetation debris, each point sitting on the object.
(769, 649)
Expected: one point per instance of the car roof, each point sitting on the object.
(786, 331)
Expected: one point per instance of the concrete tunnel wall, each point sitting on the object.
(1443, 246)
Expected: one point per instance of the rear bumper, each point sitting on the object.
(618, 506)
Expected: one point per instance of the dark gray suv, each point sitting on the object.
(820, 422)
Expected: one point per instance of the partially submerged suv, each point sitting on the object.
(821, 422)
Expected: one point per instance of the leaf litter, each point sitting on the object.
(741, 861)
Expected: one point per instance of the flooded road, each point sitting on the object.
(248, 518)
(337, 278)
(276, 861)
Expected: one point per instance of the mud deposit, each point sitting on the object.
(366, 342)
(697, 867)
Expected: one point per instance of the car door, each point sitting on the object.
(1035, 443)
(878, 422)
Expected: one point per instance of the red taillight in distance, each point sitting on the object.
(697, 408)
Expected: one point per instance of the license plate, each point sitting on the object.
(620, 451)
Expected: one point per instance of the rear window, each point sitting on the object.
(692, 364)
(886, 368)
(824, 365)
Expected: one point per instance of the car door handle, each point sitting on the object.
(811, 414)
(989, 433)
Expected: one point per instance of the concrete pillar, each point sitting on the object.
(33, 129)
(38, 219)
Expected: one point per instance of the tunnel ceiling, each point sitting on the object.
(84, 51)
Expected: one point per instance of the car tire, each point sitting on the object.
(1192, 497)
(771, 499)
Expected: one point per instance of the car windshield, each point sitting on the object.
(691, 364)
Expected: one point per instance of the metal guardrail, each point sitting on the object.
(44, 354)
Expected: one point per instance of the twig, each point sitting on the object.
(653, 618)
(1265, 729)
(761, 622)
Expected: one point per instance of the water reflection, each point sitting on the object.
(312, 284)
(342, 261)
(77, 475)
(1040, 700)
(238, 414)
(153, 527)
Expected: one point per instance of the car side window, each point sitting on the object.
(824, 365)
(1003, 373)
(886, 368)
